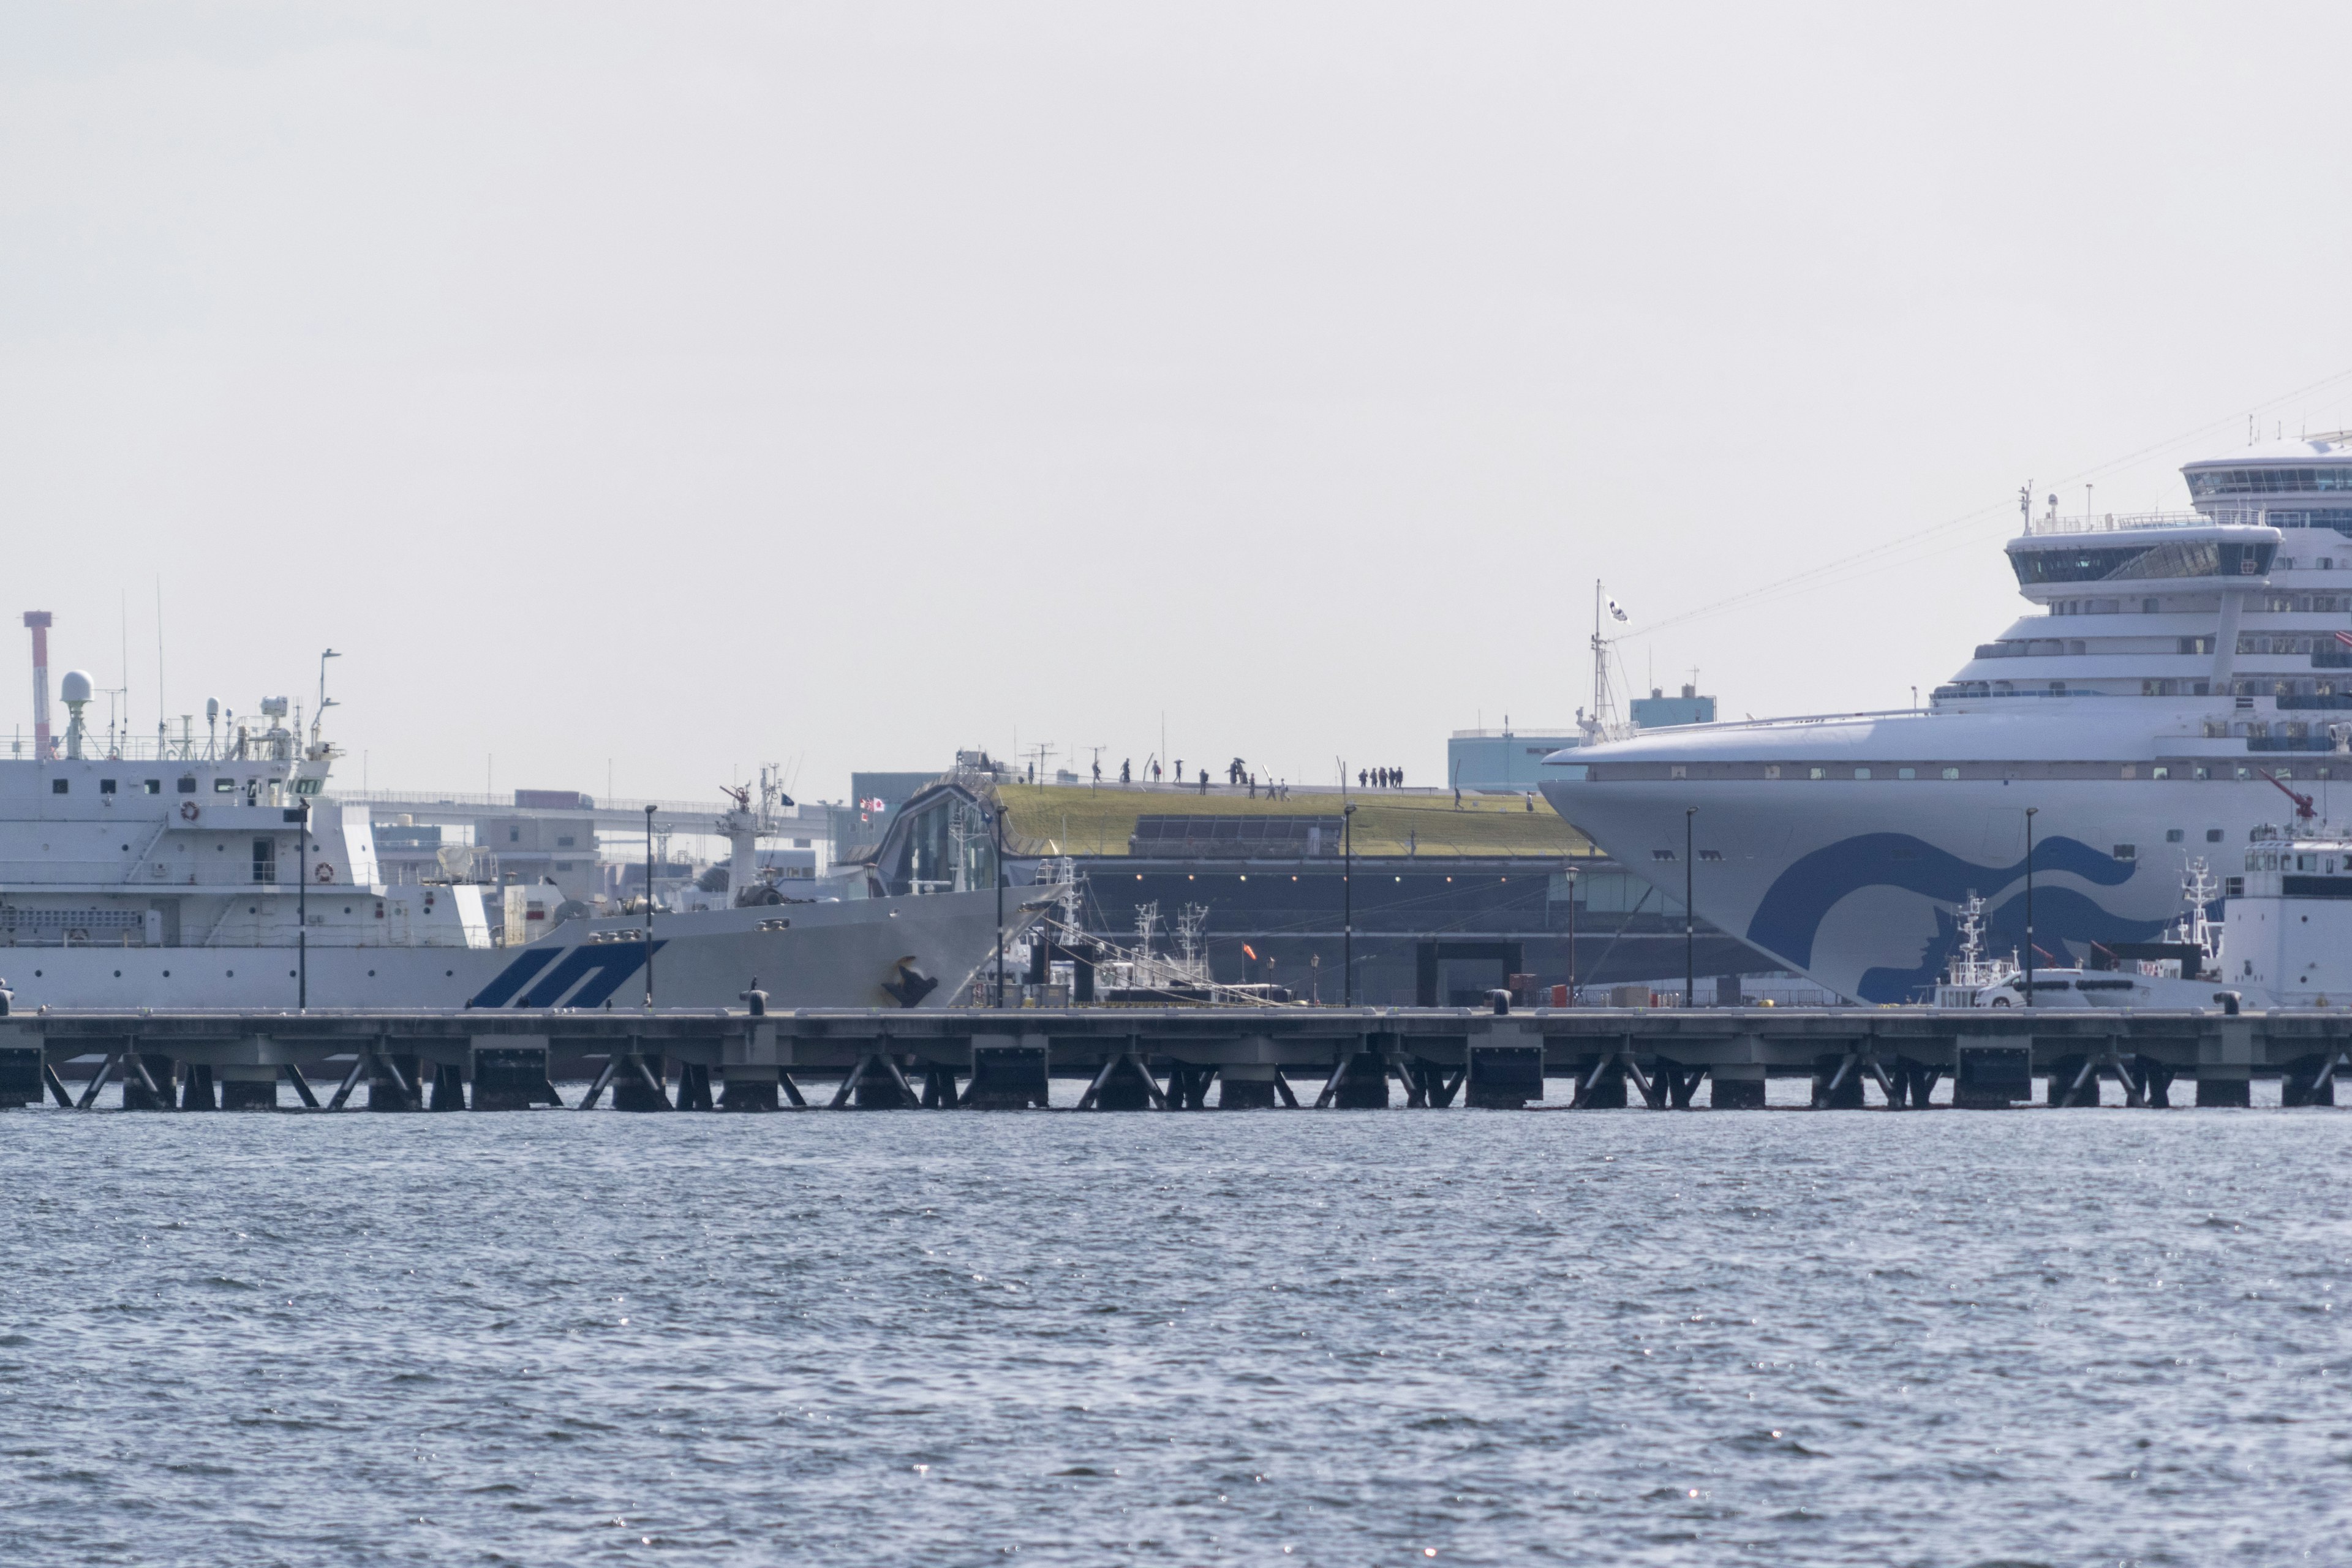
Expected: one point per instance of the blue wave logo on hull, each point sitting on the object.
(603, 967)
(1791, 915)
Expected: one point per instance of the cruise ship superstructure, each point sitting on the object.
(2181, 680)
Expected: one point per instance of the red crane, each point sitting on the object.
(2304, 810)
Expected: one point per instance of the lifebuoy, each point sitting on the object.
(188, 811)
(325, 873)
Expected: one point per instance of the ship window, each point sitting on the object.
(1862, 772)
(565, 842)
(224, 786)
(1710, 854)
(1771, 770)
(1951, 773)
(58, 786)
(1906, 772)
(2234, 887)
(514, 835)
(187, 785)
(106, 787)
(265, 859)
(1677, 771)
(2126, 852)
(2162, 771)
(2172, 836)
(2212, 835)
(2148, 606)
(152, 786)
(1817, 773)
(1662, 854)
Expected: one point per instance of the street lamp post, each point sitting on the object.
(649, 907)
(2029, 903)
(302, 815)
(1347, 901)
(1690, 940)
(1571, 936)
(996, 821)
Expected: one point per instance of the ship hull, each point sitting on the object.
(1855, 883)
(876, 953)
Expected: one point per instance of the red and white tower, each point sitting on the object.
(40, 621)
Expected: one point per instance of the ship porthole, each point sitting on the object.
(118, 974)
(371, 974)
(36, 974)
(167, 974)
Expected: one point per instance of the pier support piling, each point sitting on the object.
(1737, 1086)
(394, 1083)
(1188, 1085)
(749, 1087)
(56, 1087)
(301, 1086)
(2074, 1081)
(350, 1081)
(1992, 1077)
(694, 1087)
(448, 1087)
(152, 1082)
(1249, 1086)
(195, 1087)
(1125, 1083)
(2224, 1084)
(1600, 1082)
(2309, 1080)
(1008, 1073)
(247, 1088)
(642, 1083)
(98, 1080)
(510, 1074)
(1680, 1083)
(938, 1087)
(20, 1077)
(1837, 1081)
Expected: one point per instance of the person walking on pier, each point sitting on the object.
(1361, 776)
(1204, 781)
(1122, 771)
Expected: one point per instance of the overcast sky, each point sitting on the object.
(676, 388)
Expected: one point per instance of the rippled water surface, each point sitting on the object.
(1635, 1337)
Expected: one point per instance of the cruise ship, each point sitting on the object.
(220, 871)
(2180, 681)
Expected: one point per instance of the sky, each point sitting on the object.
(636, 395)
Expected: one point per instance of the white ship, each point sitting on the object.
(2182, 679)
(221, 872)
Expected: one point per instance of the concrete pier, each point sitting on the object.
(1176, 1058)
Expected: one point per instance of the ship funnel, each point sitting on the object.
(40, 621)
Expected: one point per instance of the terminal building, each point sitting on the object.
(1447, 902)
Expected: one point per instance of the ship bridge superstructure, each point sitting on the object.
(2243, 596)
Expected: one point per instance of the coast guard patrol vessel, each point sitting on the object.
(2179, 678)
(219, 872)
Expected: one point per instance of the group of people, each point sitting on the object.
(1380, 778)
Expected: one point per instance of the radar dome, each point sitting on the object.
(76, 686)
